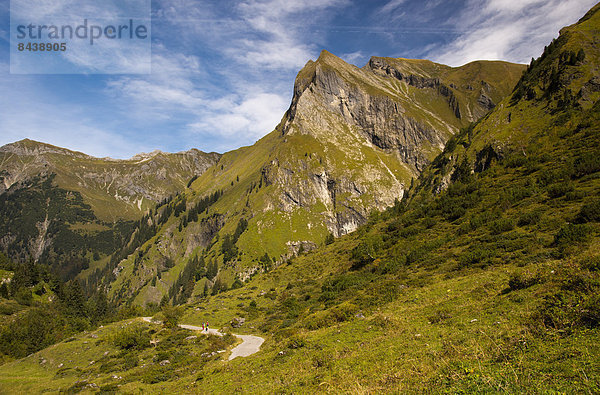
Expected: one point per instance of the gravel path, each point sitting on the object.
(250, 343)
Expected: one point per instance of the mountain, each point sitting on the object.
(115, 189)
(485, 277)
(350, 143)
(63, 207)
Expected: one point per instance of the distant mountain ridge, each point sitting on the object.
(66, 208)
(115, 188)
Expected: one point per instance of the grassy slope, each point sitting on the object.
(94, 361)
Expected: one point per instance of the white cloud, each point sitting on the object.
(391, 6)
(278, 41)
(104, 56)
(354, 57)
(244, 122)
(513, 30)
(259, 46)
(170, 86)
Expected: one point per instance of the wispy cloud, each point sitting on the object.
(253, 116)
(391, 6)
(355, 58)
(513, 30)
(281, 42)
(88, 51)
(255, 49)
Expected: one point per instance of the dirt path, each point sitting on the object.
(250, 343)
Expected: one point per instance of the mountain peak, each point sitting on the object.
(32, 147)
(146, 155)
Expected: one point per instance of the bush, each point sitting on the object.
(590, 312)
(366, 251)
(439, 316)
(501, 225)
(23, 296)
(590, 212)
(572, 234)
(515, 160)
(529, 218)
(560, 189)
(588, 163)
(429, 222)
(132, 337)
(574, 304)
(483, 218)
(519, 281)
(474, 256)
(329, 239)
(575, 195)
(171, 316)
(591, 263)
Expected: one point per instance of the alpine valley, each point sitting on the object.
(407, 227)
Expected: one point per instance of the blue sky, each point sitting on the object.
(223, 71)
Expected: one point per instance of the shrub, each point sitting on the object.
(560, 189)
(132, 337)
(295, 342)
(429, 222)
(409, 231)
(588, 163)
(590, 312)
(366, 251)
(591, 263)
(575, 195)
(329, 239)
(575, 303)
(483, 218)
(517, 193)
(171, 316)
(292, 307)
(475, 255)
(520, 281)
(23, 296)
(590, 212)
(439, 316)
(572, 234)
(515, 160)
(529, 218)
(501, 225)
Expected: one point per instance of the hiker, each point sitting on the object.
(206, 326)
(202, 327)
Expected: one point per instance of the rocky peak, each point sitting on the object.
(34, 148)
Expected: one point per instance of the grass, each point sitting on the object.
(99, 360)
